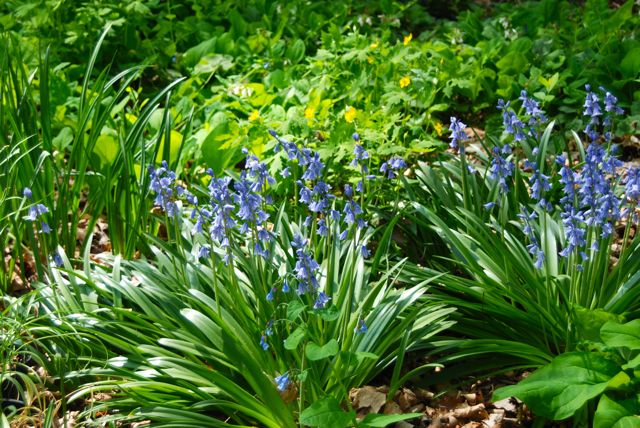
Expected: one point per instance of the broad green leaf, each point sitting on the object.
(617, 414)
(326, 413)
(634, 363)
(63, 139)
(294, 338)
(294, 309)
(589, 322)
(295, 51)
(630, 65)
(315, 352)
(561, 388)
(377, 420)
(621, 335)
(620, 381)
(192, 56)
(106, 148)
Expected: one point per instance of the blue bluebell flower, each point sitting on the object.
(539, 183)
(263, 342)
(360, 156)
(361, 328)
(57, 259)
(532, 109)
(285, 286)
(573, 221)
(26, 192)
(222, 205)
(457, 133)
(322, 230)
(204, 251)
(501, 168)
(164, 186)
(512, 124)
(534, 245)
(259, 172)
(593, 110)
(348, 190)
(282, 381)
(35, 212)
(632, 185)
(314, 168)
(270, 294)
(321, 300)
(351, 211)
(392, 166)
(249, 203)
(364, 251)
(306, 266)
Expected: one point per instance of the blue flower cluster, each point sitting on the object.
(593, 110)
(36, 212)
(588, 201)
(527, 227)
(457, 134)
(163, 184)
(533, 118)
(392, 166)
(502, 167)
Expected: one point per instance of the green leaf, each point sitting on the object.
(377, 420)
(326, 413)
(635, 362)
(315, 352)
(192, 56)
(330, 313)
(617, 414)
(619, 335)
(294, 309)
(295, 52)
(589, 322)
(63, 139)
(238, 24)
(560, 389)
(621, 381)
(630, 64)
(106, 148)
(294, 338)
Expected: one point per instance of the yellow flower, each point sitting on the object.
(254, 116)
(404, 82)
(438, 128)
(407, 39)
(310, 112)
(350, 114)
(374, 45)
(370, 59)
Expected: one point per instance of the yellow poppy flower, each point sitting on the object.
(407, 39)
(438, 128)
(374, 45)
(350, 114)
(405, 81)
(254, 116)
(310, 112)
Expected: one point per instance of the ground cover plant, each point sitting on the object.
(239, 214)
